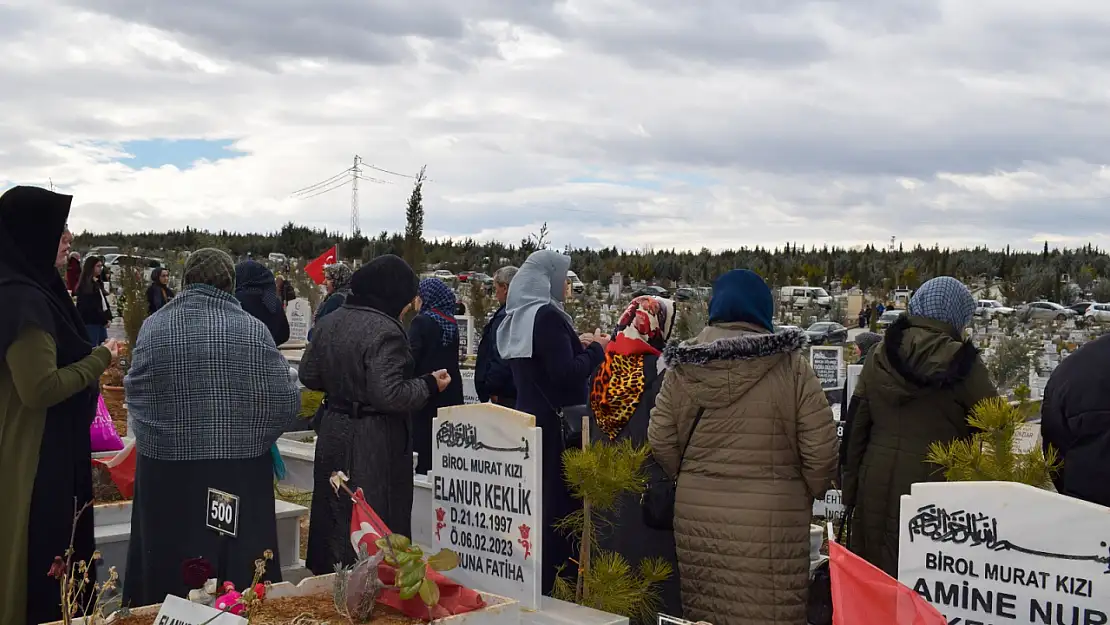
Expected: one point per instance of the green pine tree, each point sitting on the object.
(989, 454)
(414, 224)
(599, 474)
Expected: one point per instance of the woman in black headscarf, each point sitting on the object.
(256, 290)
(92, 300)
(48, 390)
(360, 358)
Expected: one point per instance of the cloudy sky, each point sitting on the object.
(636, 123)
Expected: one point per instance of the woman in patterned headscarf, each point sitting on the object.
(916, 388)
(622, 394)
(337, 279)
(434, 338)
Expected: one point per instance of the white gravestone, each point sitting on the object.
(467, 346)
(827, 363)
(299, 314)
(831, 507)
(1001, 552)
(470, 392)
(487, 499)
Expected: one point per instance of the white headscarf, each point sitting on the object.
(541, 281)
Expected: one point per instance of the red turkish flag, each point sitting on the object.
(366, 528)
(121, 468)
(315, 269)
(862, 593)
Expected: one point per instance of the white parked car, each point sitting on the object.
(991, 307)
(1098, 312)
(802, 296)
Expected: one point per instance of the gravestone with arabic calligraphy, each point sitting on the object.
(487, 498)
(1001, 552)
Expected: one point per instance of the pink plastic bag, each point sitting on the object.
(102, 431)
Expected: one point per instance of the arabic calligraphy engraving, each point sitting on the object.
(465, 436)
(964, 527)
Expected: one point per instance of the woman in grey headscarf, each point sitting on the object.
(551, 365)
(917, 388)
(337, 280)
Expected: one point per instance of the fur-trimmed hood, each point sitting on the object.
(726, 361)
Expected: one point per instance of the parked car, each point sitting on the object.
(779, 329)
(990, 307)
(1097, 312)
(1080, 308)
(888, 318)
(685, 294)
(826, 332)
(1045, 311)
(278, 258)
(443, 274)
(655, 291)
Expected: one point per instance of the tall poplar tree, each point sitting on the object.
(414, 224)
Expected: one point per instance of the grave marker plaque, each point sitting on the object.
(1001, 552)
(827, 361)
(487, 498)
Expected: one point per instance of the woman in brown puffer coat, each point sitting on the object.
(761, 447)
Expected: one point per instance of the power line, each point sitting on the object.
(375, 180)
(327, 190)
(324, 182)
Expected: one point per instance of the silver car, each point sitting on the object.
(1045, 311)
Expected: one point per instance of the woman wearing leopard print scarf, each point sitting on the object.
(622, 394)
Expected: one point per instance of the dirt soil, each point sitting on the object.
(304, 536)
(312, 610)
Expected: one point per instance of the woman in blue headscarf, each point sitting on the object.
(434, 338)
(916, 388)
(743, 425)
(551, 367)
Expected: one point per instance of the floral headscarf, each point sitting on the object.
(340, 276)
(438, 304)
(643, 329)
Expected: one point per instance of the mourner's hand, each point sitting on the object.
(602, 340)
(113, 348)
(586, 338)
(442, 378)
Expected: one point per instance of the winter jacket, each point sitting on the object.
(916, 388)
(92, 304)
(1075, 420)
(764, 449)
(492, 375)
(430, 354)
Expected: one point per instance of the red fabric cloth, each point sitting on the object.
(315, 269)
(366, 528)
(862, 593)
(121, 468)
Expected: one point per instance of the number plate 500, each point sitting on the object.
(223, 512)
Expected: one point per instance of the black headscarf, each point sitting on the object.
(32, 221)
(253, 278)
(386, 283)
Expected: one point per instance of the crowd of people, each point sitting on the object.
(736, 416)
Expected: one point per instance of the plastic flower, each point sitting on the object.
(58, 568)
(195, 572)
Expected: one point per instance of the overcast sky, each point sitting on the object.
(662, 123)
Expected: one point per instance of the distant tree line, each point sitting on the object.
(1024, 275)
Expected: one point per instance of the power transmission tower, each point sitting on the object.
(355, 222)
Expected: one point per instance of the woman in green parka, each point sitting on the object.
(917, 387)
(48, 391)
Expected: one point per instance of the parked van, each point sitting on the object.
(802, 296)
(575, 284)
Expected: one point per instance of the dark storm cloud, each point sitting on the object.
(366, 32)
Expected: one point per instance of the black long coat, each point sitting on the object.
(430, 354)
(626, 533)
(361, 355)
